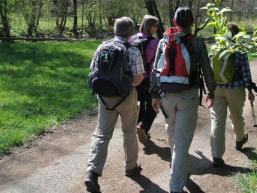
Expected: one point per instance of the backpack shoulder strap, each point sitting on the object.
(114, 106)
(196, 47)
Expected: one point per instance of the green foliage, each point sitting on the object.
(41, 85)
(248, 182)
(226, 44)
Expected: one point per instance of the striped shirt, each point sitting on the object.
(243, 76)
(135, 60)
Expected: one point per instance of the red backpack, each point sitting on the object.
(176, 70)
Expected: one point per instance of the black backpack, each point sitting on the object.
(141, 43)
(111, 75)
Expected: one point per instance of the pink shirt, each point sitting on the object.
(150, 49)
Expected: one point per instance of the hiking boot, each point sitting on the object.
(239, 144)
(142, 137)
(134, 171)
(91, 182)
(218, 162)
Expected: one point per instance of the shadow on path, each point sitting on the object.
(147, 185)
(250, 152)
(162, 152)
(202, 165)
(198, 166)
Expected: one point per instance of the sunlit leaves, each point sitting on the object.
(225, 43)
(225, 10)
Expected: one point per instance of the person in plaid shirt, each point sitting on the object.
(231, 96)
(127, 110)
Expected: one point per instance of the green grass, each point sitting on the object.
(248, 182)
(252, 57)
(41, 85)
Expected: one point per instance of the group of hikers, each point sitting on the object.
(164, 74)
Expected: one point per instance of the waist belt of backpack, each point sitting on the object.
(164, 113)
(114, 106)
(202, 88)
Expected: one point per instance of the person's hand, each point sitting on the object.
(156, 104)
(209, 101)
(137, 79)
(251, 96)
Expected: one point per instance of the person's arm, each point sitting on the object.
(251, 96)
(246, 75)
(136, 66)
(137, 79)
(94, 57)
(206, 70)
(154, 84)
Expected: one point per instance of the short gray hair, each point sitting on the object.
(123, 27)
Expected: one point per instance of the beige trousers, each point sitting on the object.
(103, 133)
(181, 110)
(234, 100)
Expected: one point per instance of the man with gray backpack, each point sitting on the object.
(116, 69)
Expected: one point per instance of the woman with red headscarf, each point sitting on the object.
(175, 80)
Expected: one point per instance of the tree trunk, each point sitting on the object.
(82, 16)
(197, 18)
(173, 7)
(232, 7)
(4, 18)
(177, 5)
(100, 13)
(62, 11)
(62, 25)
(171, 11)
(190, 4)
(34, 17)
(249, 9)
(152, 9)
(38, 16)
(75, 18)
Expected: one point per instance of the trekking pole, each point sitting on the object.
(253, 115)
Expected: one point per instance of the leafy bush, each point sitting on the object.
(226, 43)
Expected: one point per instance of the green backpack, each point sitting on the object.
(224, 70)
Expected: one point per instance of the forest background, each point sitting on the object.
(43, 85)
(82, 19)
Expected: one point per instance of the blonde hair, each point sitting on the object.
(147, 22)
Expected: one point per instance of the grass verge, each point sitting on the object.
(248, 182)
(41, 84)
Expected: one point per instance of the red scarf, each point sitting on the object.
(170, 33)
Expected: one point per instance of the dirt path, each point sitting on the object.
(56, 162)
